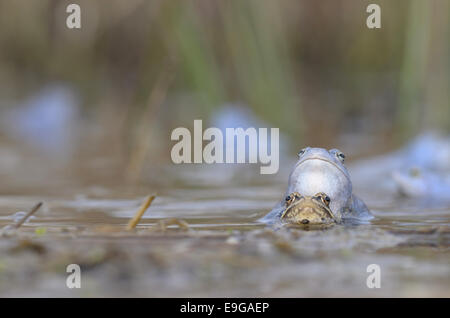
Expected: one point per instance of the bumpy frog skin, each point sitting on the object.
(307, 210)
(319, 170)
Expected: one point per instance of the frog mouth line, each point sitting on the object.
(327, 161)
(289, 211)
(287, 214)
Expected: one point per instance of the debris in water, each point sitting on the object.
(137, 217)
(28, 245)
(162, 225)
(40, 231)
(10, 229)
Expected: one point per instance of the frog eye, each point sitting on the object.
(291, 197)
(340, 156)
(414, 172)
(301, 152)
(324, 198)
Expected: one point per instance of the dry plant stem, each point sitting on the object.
(142, 142)
(164, 224)
(30, 213)
(137, 217)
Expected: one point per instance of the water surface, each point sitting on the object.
(225, 251)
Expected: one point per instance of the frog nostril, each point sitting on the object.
(305, 221)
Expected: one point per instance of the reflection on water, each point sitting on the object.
(225, 252)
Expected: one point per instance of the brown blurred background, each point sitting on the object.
(138, 69)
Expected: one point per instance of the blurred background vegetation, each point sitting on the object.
(313, 68)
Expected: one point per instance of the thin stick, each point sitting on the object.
(142, 142)
(137, 217)
(32, 211)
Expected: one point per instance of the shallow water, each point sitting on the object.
(225, 251)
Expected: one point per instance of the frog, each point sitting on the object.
(319, 170)
(308, 210)
(427, 185)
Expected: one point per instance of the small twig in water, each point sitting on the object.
(32, 211)
(137, 217)
(163, 225)
(10, 229)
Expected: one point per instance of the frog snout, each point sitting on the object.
(305, 221)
